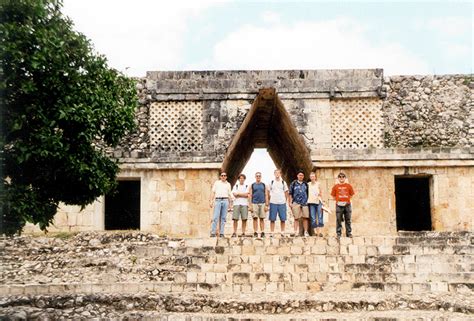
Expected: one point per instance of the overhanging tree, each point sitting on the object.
(61, 106)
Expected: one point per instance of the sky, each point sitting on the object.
(403, 37)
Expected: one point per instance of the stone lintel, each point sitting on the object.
(333, 83)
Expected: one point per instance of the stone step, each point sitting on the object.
(306, 249)
(257, 287)
(351, 305)
(239, 277)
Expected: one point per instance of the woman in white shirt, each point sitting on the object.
(315, 205)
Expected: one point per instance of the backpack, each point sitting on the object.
(282, 183)
(237, 189)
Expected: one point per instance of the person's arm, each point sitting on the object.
(231, 197)
(267, 199)
(250, 199)
(291, 195)
(235, 191)
(351, 191)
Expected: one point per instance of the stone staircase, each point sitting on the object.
(236, 275)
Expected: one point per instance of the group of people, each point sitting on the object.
(303, 197)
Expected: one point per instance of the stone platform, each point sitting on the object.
(428, 274)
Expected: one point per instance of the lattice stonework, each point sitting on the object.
(176, 126)
(356, 123)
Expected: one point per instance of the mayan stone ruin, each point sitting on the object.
(405, 142)
(383, 131)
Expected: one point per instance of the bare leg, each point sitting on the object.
(272, 226)
(296, 226)
(255, 224)
(235, 226)
(262, 225)
(305, 224)
(282, 226)
(244, 226)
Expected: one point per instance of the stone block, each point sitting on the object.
(248, 250)
(271, 287)
(240, 278)
(353, 249)
(372, 251)
(201, 277)
(318, 249)
(210, 277)
(246, 268)
(191, 277)
(296, 250)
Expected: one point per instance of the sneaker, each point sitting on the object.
(213, 235)
(262, 235)
(271, 235)
(320, 234)
(350, 235)
(306, 234)
(255, 234)
(282, 235)
(234, 235)
(292, 235)
(221, 235)
(338, 237)
(243, 235)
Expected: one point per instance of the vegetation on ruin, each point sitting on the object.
(62, 105)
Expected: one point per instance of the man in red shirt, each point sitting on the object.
(342, 193)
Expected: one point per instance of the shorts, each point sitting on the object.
(240, 212)
(277, 208)
(258, 210)
(300, 211)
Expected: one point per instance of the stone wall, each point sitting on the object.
(372, 127)
(175, 201)
(332, 109)
(374, 206)
(429, 111)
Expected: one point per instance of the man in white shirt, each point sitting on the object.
(221, 198)
(241, 194)
(278, 190)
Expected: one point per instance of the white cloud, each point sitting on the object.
(331, 44)
(139, 35)
(448, 26)
(270, 17)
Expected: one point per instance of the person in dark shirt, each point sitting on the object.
(299, 201)
(258, 198)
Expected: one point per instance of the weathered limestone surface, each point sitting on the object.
(429, 111)
(107, 273)
(353, 120)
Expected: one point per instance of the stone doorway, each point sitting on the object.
(413, 206)
(268, 125)
(122, 207)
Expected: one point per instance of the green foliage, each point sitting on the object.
(62, 106)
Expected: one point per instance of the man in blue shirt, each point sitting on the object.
(299, 201)
(258, 198)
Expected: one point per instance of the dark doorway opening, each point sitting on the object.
(122, 207)
(413, 208)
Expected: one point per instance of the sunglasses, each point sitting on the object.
(223, 175)
(341, 177)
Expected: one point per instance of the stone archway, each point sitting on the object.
(268, 125)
